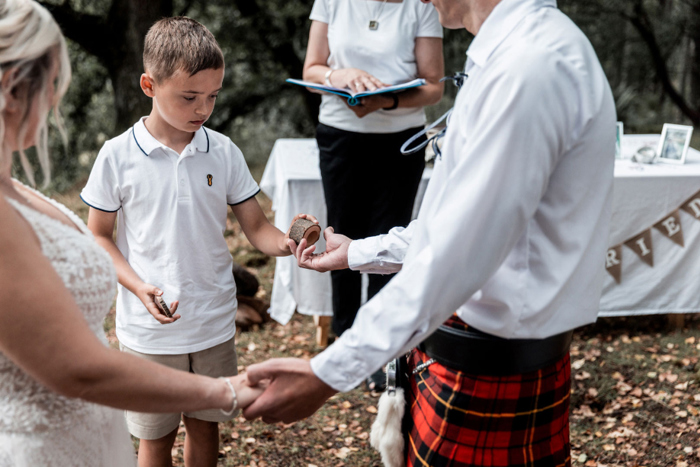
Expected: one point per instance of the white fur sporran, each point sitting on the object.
(386, 436)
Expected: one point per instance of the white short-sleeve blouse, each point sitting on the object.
(388, 53)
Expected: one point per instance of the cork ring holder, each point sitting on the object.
(304, 228)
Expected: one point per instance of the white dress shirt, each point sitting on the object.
(513, 228)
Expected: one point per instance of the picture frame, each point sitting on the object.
(674, 143)
(618, 140)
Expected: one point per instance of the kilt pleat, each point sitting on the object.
(460, 420)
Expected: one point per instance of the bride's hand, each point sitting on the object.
(245, 392)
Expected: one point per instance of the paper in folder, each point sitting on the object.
(354, 98)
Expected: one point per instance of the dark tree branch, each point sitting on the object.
(243, 104)
(282, 51)
(88, 31)
(641, 22)
(186, 8)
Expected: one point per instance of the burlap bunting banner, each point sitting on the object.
(671, 227)
(642, 245)
(613, 262)
(692, 206)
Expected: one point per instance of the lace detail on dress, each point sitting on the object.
(38, 426)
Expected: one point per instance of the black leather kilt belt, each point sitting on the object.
(474, 352)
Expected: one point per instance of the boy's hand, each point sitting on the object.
(286, 239)
(147, 294)
(335, 257)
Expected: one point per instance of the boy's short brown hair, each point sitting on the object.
(180, 43)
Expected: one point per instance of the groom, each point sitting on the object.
(504, 260)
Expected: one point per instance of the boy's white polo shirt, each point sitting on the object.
(170, 228)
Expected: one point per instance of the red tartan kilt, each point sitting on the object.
(468, 420)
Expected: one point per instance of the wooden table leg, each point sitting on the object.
(676, 321)
(323, 327)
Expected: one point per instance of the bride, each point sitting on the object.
(59, 382)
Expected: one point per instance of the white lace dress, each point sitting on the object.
(39, 428)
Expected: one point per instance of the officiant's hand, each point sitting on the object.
(355, 79)
(371, 104)
(335, 257)
(294, 391)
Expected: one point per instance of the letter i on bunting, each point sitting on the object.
(692, 206)
(613, 262)
(671, 227)
(641, 244)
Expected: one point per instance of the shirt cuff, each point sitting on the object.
(336, 367)
(361, 253)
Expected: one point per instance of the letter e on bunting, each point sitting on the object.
(692, 206)
(671, 227)
(613, 262)
(641, 244)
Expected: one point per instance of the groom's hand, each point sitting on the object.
(335, 257)
(294, 391)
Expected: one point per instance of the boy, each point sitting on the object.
(172, 180)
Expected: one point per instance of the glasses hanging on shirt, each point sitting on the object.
(458, 79)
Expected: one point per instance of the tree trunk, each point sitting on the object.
(130, 21)
(694, 75)
(117, 42)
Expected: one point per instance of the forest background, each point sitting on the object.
(650, 50)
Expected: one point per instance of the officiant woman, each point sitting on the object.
(369, 186)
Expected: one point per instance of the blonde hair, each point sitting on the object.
(180, 43)
(31, 45)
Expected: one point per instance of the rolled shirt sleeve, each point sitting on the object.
(383, 254)
(489, 190)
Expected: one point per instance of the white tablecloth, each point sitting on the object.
(292, 180)
(643, 195)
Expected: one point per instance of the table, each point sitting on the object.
(643, 195)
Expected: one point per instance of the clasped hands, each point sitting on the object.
(292, 390)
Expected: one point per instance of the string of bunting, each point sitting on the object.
(641, 244)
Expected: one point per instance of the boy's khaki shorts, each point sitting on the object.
(219, 360)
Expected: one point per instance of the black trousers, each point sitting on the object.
(369, 188)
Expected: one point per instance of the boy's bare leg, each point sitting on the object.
(157, 452)
(201, 443)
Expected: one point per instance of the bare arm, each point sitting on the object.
(316, 64)
(431, 67)
(101, 224)
(262, 235)
(44, 333)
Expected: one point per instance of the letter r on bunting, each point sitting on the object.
(613, 262)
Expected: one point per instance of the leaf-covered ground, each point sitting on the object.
(635, 398)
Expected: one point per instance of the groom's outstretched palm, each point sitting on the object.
(335, 257)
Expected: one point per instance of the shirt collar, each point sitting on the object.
(147, 143)
(499, 24)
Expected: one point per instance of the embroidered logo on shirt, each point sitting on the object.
(209, 179)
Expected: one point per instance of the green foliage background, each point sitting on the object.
(256, 107)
